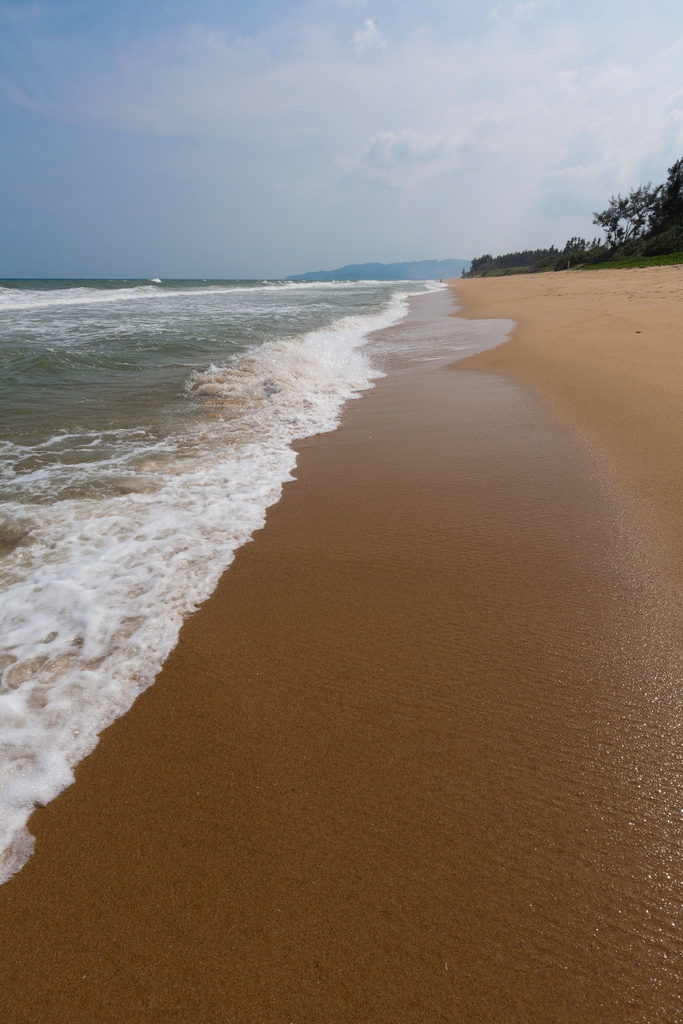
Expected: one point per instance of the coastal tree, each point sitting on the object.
(580, 250)
(646, 222)
(526, 258)
(668, 210)
(629, 217)
(479, 262)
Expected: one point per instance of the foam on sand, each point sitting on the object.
(96, 588)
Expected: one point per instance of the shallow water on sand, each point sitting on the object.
(145, 428)
(431, 769)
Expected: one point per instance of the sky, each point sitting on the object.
(221, 139)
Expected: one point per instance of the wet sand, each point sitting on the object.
(604, 349)
(418, 759)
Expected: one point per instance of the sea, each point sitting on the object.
(145, 429)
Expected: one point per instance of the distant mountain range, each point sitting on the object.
(423, 270)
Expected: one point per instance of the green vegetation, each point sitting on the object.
(642, 229)
(505, 272)
(519, 262)
(640, 261)
(576, 250)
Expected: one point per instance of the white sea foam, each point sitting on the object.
(96, 589)
(16, 299)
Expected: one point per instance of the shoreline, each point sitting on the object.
(602, 350)
(167, 465)
(399, 766)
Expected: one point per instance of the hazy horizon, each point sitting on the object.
(220, 140)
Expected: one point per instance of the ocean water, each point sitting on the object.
(145, 428)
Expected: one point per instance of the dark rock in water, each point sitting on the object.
(423, 270)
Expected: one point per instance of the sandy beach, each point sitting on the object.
(603, 350)
(418, 759)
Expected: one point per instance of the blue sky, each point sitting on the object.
(266, 138)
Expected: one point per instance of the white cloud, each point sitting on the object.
(525, 10)
(508, 140)
(404, 159)
(368, 38)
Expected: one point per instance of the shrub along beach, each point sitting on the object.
(644, 228)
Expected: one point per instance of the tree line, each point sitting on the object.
(646, 222)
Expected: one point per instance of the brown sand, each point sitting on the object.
(417, 760)
(605, 348)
